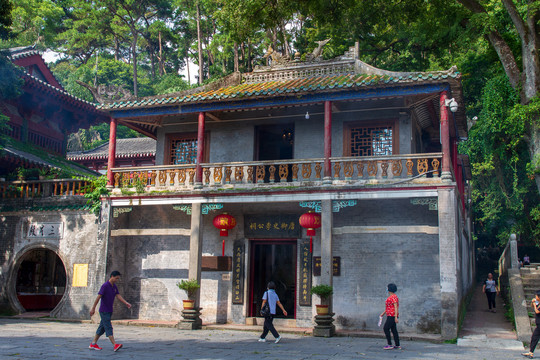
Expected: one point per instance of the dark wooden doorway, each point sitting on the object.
(273, 260)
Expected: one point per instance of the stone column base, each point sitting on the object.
(325, 326)
(191, 320)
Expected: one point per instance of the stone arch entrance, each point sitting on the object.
(40, 280)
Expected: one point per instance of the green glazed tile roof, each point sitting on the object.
(288, 88)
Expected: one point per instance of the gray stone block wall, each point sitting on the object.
(369, 261)
(80, 244)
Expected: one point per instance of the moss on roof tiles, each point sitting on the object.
(286, 86)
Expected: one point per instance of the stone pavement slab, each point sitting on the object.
(38, 339)
(482, 327)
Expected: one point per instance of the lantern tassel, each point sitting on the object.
(311, 244)
(223, 248)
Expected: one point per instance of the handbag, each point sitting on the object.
(265, 310)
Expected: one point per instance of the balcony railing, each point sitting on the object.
(294, 172)
(43, 188)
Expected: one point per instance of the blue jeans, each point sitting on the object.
(105, 326)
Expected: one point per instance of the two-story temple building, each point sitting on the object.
(373, 152)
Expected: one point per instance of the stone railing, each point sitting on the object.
(294, 172)
(43, 188)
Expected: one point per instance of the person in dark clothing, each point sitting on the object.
(107, 294)
(491, 290)
(536, 334)
(392, 315)
(273, 300)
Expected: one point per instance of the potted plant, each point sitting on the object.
(323, 291)
(190, 287)
(43, 173)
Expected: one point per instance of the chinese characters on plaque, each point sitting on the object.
(238, 273)
(317, 266)
(272, 226)
(45, 230)
(305, 274)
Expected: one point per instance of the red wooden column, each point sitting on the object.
(200, 151)
(112, 153)
(445, 138)
(327, 142)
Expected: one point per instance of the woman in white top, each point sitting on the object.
(491, 290)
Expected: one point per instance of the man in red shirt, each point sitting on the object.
(392, 314)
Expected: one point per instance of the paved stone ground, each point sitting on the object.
(38, 339)
(484, 328)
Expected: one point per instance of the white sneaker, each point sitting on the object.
(278, 339)
(262, 340)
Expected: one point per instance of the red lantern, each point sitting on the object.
(310, 221)
(224, 223)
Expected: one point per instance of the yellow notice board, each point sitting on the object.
(80, 275)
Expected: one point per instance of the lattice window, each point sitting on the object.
(184, 151)
(370, 140)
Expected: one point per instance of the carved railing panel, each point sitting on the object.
(44, 188)
(350, 169)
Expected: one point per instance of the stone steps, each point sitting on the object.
(530, 277)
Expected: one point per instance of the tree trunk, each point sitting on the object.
(95, 75)
(285, 42)
(236, 65)
(161, 61)
(187, 66)
(116, 48)
(134, 55)
(152, 62)
(249, 67)
(199, 44)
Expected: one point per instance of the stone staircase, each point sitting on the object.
(530, 277)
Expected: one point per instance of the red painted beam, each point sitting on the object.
(200, 149)
(327, 139)
(445, 134)
(112, 152)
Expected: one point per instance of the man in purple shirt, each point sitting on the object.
(107, 294)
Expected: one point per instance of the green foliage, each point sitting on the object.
(504, 196)
(322, 290)
(169, 83)
(5, 19)
(140, 185)
(189, 286)
(10, 80)
(94, 193)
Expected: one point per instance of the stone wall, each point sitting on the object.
(401, 247)
(83, 242)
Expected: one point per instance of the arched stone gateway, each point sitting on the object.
(40, 280)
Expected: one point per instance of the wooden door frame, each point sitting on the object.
(252, 242)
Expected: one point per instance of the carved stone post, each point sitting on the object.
(191, 320)
(325, 326)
